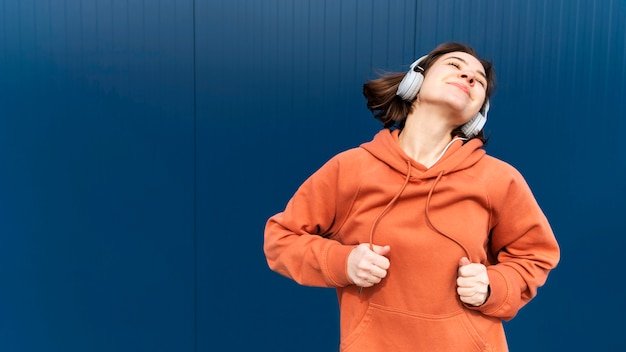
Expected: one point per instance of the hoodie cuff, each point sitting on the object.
(336, 263)
(500, 294)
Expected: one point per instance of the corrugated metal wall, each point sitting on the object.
(97, 176)
(144, 144)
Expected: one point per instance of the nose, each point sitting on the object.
(468, 76)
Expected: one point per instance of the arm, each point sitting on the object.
(298, 241)
(523, 245)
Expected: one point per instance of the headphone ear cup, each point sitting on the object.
(410, 85)
(412, 81)
(476, 124)
(473, 126)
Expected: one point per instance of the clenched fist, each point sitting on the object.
(367, 267)
(472, 282)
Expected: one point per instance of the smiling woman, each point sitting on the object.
(429, 242)
(383, 94)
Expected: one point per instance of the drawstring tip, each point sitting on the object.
(359, 291)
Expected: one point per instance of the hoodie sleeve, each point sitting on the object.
(522, 243)
(298, 241)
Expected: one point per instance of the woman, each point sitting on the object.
(429, 242)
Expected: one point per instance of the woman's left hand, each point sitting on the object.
(472, 282)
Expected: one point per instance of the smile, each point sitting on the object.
(461, 87)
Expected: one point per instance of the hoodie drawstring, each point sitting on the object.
(430, 223)
(391, 202)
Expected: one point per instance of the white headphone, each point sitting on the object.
(411, 84)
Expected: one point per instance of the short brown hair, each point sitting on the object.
(392, 111)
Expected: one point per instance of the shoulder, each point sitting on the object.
(494, 169)
(342, 167)
(351, 158)
(502, 181)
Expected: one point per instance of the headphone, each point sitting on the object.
(411, 84)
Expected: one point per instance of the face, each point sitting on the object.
(456, 80)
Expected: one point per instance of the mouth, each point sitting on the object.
(461, 87)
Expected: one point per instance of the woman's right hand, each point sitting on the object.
(367, 267)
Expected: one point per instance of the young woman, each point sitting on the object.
(429, 242)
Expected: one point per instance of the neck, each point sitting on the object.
(424, 139)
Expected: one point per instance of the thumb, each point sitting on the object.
(381, 250)
(464, 261)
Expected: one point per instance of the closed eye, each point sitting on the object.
(458, 66)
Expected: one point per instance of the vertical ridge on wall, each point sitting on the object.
(195, 174)
(622, 111)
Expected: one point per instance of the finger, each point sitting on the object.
(370, 278)
(366, 284)
(374, 280)
(466, 291)
(378, 256)
(469, 281)
(465, 271)
(470, 294)
(381, 250)
(475, 299)
(462, 291)
(471, 291)
(464, 261)
(364, 280)
(379, 259)
(472, 270)
(464, 282)
(381, 262)
(363, 250)
(378, 272)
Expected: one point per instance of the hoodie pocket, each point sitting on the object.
(388, 329)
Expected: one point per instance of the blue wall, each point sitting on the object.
(143, 144)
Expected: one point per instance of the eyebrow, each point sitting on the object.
(465, 62)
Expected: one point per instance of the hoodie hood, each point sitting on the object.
(386, 148)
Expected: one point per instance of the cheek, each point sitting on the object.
(426, 84)
(480, 96)
(431, 87)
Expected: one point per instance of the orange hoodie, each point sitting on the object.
(467, 204)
